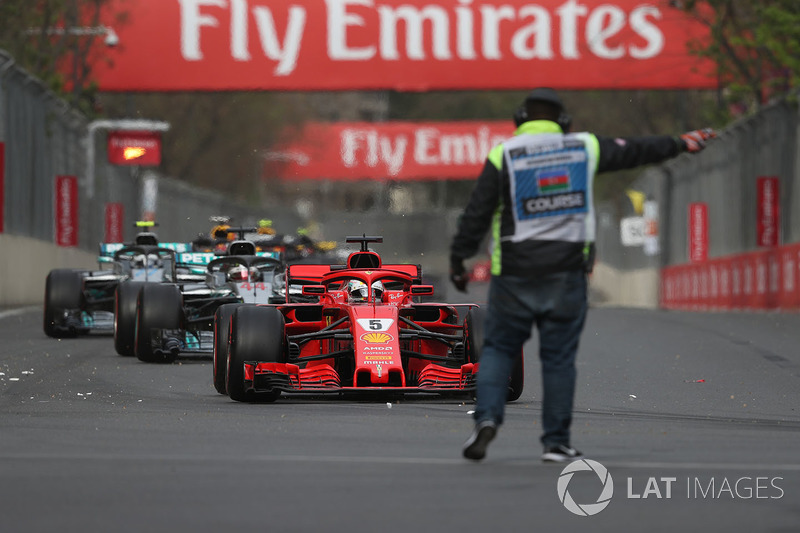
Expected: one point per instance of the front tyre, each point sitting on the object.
(257, 335)
(125, 298)
(62, 294)
(159, 307)
(474, 325)
(222, 328)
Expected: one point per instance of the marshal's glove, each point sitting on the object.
(458, 274)
(694, 141)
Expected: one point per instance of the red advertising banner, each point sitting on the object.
(114, 220)
(789, 294)
(134, 148)
(393, 150)
(762, 279)
(414, 45)
(2, 186)
(66, 210)
(768, 211)
(698, 232)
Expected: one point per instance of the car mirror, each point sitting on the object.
(422, 290)
(313, 290)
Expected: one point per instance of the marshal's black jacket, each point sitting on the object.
(491, 198)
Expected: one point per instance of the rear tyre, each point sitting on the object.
(222, 328)
(257, 334)
(62, 292)
(158, 307)
(125, 298)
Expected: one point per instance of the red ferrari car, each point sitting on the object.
(359, 327)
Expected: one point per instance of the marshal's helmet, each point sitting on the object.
(544, 102)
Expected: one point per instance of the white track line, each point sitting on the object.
(15, 312)
(391, 460)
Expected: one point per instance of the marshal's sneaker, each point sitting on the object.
(475, 447)
(560, 453)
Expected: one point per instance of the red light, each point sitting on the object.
(133, 152)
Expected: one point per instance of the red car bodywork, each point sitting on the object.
(394, 343)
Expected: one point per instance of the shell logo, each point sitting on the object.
(376, 338)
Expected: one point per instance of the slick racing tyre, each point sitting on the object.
(222, 323)
(159, 307)
(125, 298)
(474, 325)
(257, 334)
(62, 293)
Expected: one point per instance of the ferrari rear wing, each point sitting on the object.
(301, 273)
(308, 273)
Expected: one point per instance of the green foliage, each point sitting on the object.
(755, 45)
(47, 38)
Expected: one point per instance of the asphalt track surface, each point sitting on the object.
(705, 405)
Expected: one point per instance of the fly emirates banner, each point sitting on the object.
(406, 45)
(387, 150)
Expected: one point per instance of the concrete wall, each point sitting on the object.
(24, 264)
(609, 286)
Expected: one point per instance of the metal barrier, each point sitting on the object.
(42, 138)
(724, 178)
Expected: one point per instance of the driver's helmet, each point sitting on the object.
(357, 291)
(377, 291)
(146, 261)
(265, 227)
(220, 232)
(139, 261)
(238, 273)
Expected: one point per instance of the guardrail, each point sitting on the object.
(761, 280)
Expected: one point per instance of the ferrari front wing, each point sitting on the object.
(322, 378)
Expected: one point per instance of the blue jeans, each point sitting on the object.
(556, 304)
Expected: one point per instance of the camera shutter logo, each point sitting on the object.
(586, 509)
